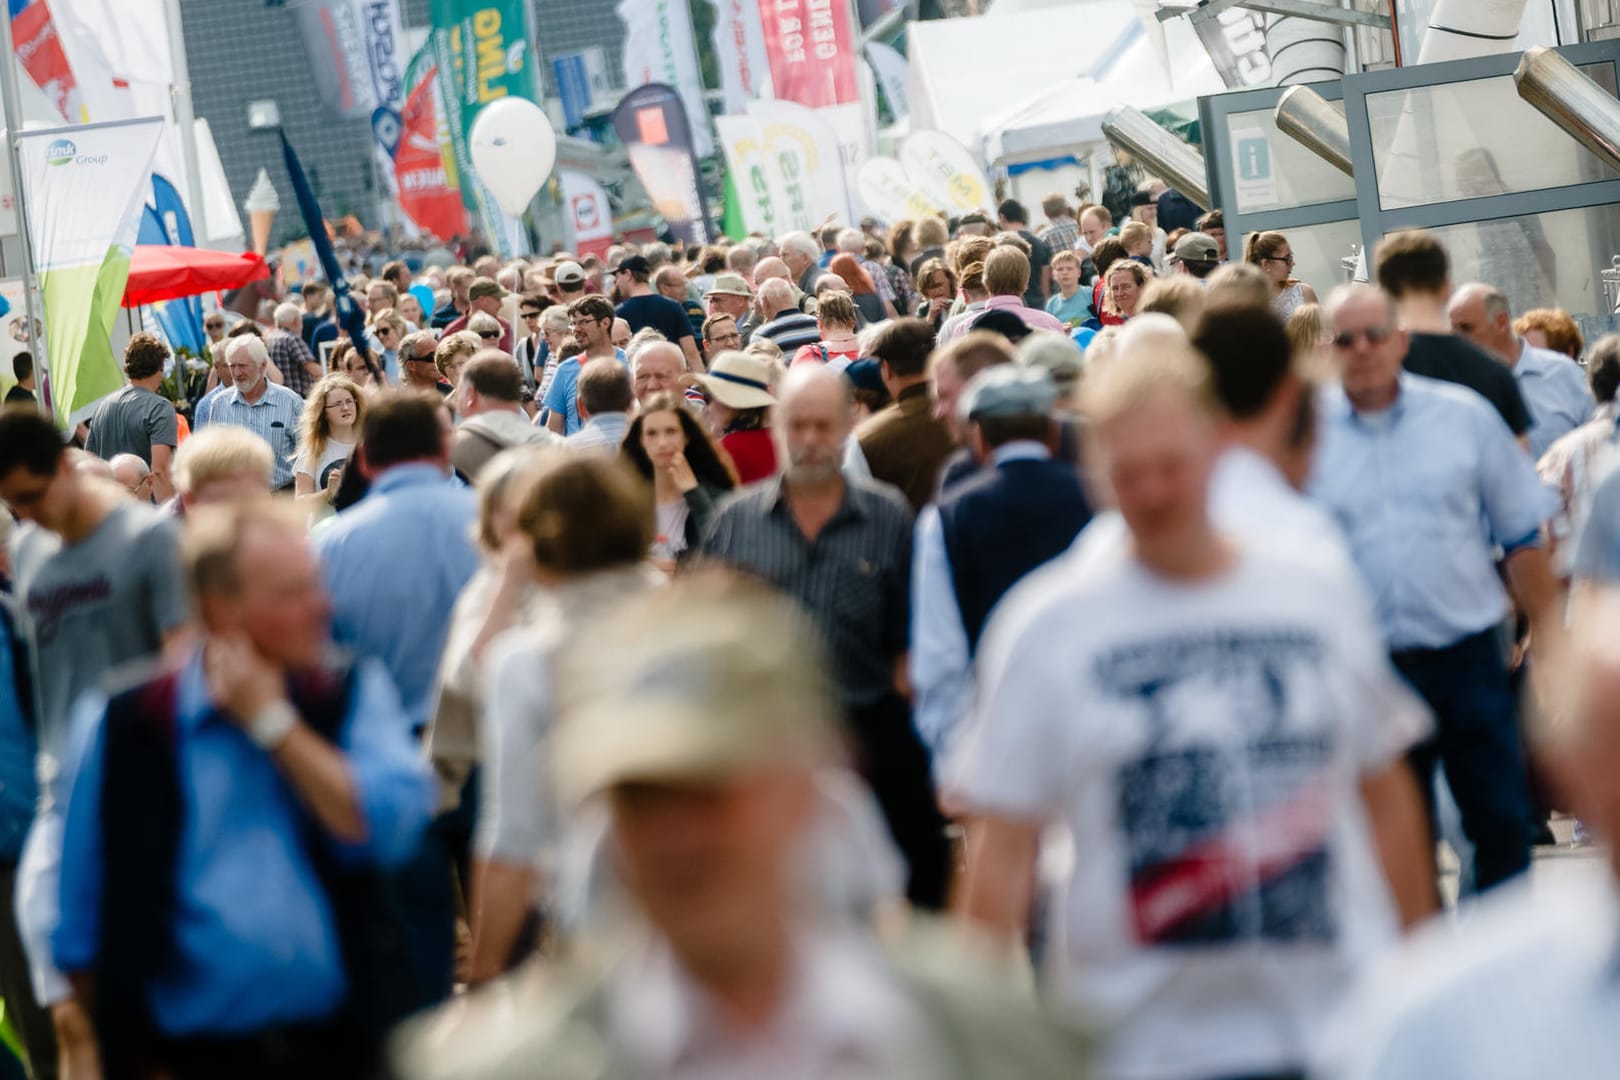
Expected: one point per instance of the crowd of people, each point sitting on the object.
(956, 649)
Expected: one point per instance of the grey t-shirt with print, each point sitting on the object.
(132, 421)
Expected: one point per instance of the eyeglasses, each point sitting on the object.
(732, 338)
(575, 324)
(214, 326)
(1287, 260)
(489, 335)
(531, 314)
(347, 403)
(381, 330)
(1375, 335)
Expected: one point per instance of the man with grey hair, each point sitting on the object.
(657, 255)
(286, 349)
(842, 548)
(656, 368)
(489, 406)
(133, 475)
(782, 323)
(417, 370)
(1552, 385)
(802, 255)
(254, 402)
(741, 260)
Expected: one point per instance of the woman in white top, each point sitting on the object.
(688, 472)
(1272, 253)
(327, 433)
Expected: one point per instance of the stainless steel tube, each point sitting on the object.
(1561, 93)
(1167, 157)
(1311, 120)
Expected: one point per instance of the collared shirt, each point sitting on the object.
(202, 412)
(562, 392)
(1574, 466)
(405, 547)
(842, 1015)
(1410, 487)
(289, 353)
(853, 579)
(1061, 234)
(253, 933)
(601, 434)
(1032, 317)
(273, 418)
(940, 662)
(952, 327)
(1554, 388)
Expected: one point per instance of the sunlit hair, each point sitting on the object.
(1129, 377)
(218, 451)
(1555, 323)
(709, 463)
(315, 427)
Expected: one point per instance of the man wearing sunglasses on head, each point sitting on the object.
(1428, 483)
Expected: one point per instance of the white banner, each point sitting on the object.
(821, 153)
(893, 73)
(890, 194)
(944, 170)
(590, 216)
(659, 47)
(770, 206)
(739, 49)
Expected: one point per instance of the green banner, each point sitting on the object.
(483, 52)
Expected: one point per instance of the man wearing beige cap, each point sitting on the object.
(485, 295)
(570, 279)
(704, 746)
(731, 296)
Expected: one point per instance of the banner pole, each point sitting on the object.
(32, 301)
(185, 118)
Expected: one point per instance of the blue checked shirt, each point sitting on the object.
(273, 418)
(1425, 491)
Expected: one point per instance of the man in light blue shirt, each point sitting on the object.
(1427, 481)
(604, 401)
(271, 412)
(1553, 386)
(214, 814)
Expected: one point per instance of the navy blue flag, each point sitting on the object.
(348, 313)
(165, 222)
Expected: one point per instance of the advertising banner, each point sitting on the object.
(84, 188)
(769, 166)
(890, 194)
(943, 170)
(739, 50)
(335, 38)
(590, 216)
(652, 124)
(893, 73)
(39, 50)
(659, 48)
(812, 50)
(424, 163)
(483, 53)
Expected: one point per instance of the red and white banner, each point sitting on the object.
(40, 50)
(590, 217)
(427, 194)
(813, 51)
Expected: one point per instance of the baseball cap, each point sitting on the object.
(568, 273)
(486, 287)
(865, 374)
(730, 285)
(1143, 198)
(743, 684)
(737, 380)
(1005, 323)
(1196, 247)
(636, 264)
(1003, 390)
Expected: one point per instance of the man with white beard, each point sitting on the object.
(842, 548)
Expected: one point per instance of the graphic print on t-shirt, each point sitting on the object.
(1226, 812)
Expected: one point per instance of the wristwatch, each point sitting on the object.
(270, 725)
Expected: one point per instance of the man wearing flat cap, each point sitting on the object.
(985, 534)
(485, 295)
(704, 749)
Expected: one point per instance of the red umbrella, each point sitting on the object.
(158, 272)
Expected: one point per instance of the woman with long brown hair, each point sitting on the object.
(670, 450)
(328, 430)
(1274, 255)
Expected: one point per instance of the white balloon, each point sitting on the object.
(513, 147)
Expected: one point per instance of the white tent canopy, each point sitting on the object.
(1070, 114)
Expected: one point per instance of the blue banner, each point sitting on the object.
(573, 86)
(164, 222)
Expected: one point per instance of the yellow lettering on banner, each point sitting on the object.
(491, 52)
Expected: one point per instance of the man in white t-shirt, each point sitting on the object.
(1220, 732)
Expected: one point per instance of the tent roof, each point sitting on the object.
(1070, 114)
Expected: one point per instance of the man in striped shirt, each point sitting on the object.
(254, 402)
(786, 325)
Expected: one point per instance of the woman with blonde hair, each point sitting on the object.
(454, 352)
(327, 433)
(1274, 255)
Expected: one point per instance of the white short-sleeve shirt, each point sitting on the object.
(1203, 745)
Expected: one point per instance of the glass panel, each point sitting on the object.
(1270, 171)
(1318, 251)
(1467, 140)
(1540, 260)
(1537, 26)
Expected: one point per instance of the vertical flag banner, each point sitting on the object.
(39, 49)
(659, 48)
(483, 54)
(943, 170)
(84, 188)
(890, 194)
(335, 39)
(590, 217)
(812, 50)
(769, 167)
(349, 316)
(424, 161)
(164, 222)
(822, 158)
(384, 36)
(651, 122)
(893, 73)
(739, 50)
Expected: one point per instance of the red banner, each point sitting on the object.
(425, 194)
(812, 50)
(40, 51)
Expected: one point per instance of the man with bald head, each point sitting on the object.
(657, 369)
(842, 548)
(781, 320)
(1427, 482)
(1552, 385)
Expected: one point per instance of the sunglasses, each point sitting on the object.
(531, 314)
(489, 335)
(1375, 335)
